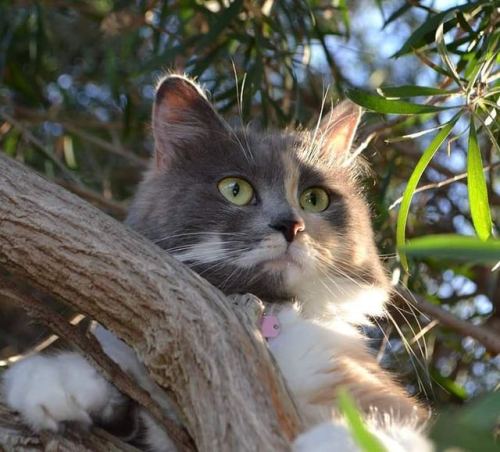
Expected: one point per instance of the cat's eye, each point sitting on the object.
(236, 190)
(314, 199)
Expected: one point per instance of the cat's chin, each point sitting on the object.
(285, 262)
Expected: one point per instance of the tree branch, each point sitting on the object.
(184, 330)
(489, 338)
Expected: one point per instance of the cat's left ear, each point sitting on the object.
(184, 121)
(338, 129)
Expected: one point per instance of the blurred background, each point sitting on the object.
(77, 83)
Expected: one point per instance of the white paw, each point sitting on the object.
(306, 352)
(50, 390)
(325, 437)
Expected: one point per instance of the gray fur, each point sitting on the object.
(178, 204)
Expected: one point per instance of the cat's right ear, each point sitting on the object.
(183, 119)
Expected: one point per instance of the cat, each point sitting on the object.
(277, 214)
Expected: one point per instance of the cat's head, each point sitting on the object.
(276, 214)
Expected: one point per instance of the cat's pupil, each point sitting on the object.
(236, 189)
(313, 199)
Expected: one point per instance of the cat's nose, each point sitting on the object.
(289, 228)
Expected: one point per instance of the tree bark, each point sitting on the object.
(187, 333)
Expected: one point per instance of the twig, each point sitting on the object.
(442, 183)
(91, 349)
(39, 145)
(487, 337)
(117, 209)
(40, 346)
(103, 144)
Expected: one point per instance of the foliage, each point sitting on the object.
(363, 437)
(474, 427)
(475, 41)
(77, 82)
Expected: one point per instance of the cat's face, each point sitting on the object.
(274, 214)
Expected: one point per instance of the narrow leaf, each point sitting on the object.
(418, 38)
(428, 62)
(412, 91)
(345, 17)
(414, 41)
(413, 182)
(441, 47)
(383, 105)
(397, 13)
(493, 139)
(411, 136)
(453, 246)
(476, 185)
(365, 439)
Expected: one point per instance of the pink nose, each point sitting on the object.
(289, 228)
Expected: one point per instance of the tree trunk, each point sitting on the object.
(187, 333)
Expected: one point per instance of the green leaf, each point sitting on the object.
(441, 47)
(453, 246)
(429, 63)
(345, 17)
(220, 25)
(449, 385)
(418, 38)
(412, 91)
(464, 24)
(413, 182)
(412, 136)
(473, 426)
(397, 13)
(365, 440)
(383, 105)
(476, 184)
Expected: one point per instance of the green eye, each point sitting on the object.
(236, 190)
(314, 200)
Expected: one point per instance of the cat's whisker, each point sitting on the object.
(239, 99)
(196, 234)
(234, 273)
(414, 360)
(413, 309)
(341, 273)
(342, 289)
(216, 246)
(421, 342)
(413, 356)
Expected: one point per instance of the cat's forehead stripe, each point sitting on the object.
(291, 176)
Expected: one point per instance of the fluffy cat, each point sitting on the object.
(279, 215)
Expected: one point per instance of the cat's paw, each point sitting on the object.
(325, 437)
(306, 352)
(50, 390)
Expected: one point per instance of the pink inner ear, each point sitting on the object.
(342, 134)
(178, 101)
(182, 120)
(339, 128)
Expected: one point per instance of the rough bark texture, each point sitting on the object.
(184, 330)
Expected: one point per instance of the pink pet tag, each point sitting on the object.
(270, 326)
